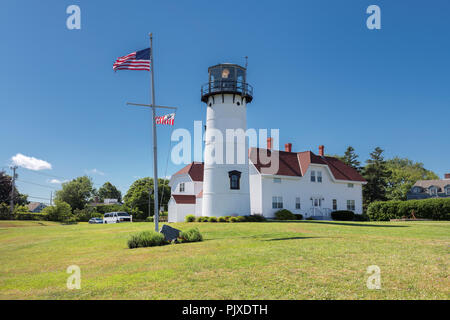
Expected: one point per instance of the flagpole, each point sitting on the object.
(155, 156)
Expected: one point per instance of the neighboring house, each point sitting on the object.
(36, 207)
(424, 189)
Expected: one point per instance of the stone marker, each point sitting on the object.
(169, 233)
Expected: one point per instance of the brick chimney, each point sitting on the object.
(321, 150)
(288, 147)
(447, 176)
(269, 143)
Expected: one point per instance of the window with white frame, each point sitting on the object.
(277, 202)
(447, 192)
(319, 176)
(313, 176)
(276, 180)
(297, 203)
(182, 187)
(350, 185)
(335, 204)
(351, 205)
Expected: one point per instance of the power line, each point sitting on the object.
(37, 184)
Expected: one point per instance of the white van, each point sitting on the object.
(116, 217)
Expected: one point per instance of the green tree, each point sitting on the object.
(403, 174)
(5, 191)
(61, 211)
(351, 158)
(109, 191)
(137, 197)
(76, 192)
(376, 173)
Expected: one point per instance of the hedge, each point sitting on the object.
(434, 209)
(342, 215)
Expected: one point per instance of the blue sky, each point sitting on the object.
(319, 74)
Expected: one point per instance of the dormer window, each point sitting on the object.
(433, 191)
(235, 177)
(182, 187)
(319, 176)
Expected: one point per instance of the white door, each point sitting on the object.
(316, 206)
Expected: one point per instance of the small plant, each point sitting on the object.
(310, 218)
(298, 216)
(212, 219)
(284, 214)
(221, 219)
(146, 239)
(190, 218)
(191, 235)
(205, 219)
(233, 219)
(241, 219)
(149, 219)
(199, 219)
(227, 218)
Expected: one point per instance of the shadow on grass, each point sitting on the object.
(356, 224)
(291, 238)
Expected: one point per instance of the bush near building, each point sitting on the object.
(434, 209)
(342, 215)
(284, 214)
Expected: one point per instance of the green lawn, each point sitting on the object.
(272, 260)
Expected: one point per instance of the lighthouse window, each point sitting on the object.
(235, 177)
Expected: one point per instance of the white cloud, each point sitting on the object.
(30, 162)
(56, 181)
(95, 171)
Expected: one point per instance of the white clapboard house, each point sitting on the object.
(303, 182)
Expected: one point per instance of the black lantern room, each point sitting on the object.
(227, 78)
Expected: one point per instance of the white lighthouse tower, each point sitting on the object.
(226, 179)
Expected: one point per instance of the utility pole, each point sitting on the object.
(51, 197)
(13, 189)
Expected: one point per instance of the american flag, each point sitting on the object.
(139, 60)
(167, 119)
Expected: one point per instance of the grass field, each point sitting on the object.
(272, 260)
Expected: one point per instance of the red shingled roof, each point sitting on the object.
(184, 199)
(297, 163)
(194, 170)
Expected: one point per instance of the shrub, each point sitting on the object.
(61, 211)
(146, 239)
(189, 218)
(255, 218)
(342, 215)
(149, 219)
(298, 216)
(435, 209)
(86, 214)
(70, 220)
(205, 219)
(191, 235)
(227, 218)
(212, 219)
(241, 219)
(29, 216)
(221, 219)
(284, 214)
(310, 218)
(199, 219)
(233, 219)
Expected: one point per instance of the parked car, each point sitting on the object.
(116, 217)
(96, 220)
